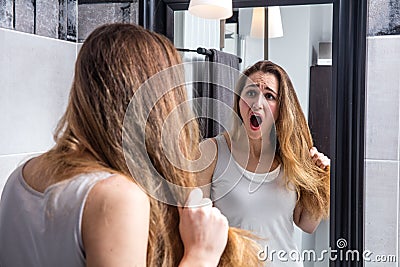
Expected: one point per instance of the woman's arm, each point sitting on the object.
(208, 158)
(304, 220)
(115, 228)
(204, 233)
(115, 224)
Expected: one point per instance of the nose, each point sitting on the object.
(257, 104)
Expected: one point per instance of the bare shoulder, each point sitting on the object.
(118, 182)
(208, 161)
(209, 155)
(208, 146)
(304, 219)
(116, 189)
(115, 223)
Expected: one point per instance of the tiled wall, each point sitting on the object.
(70, 20)
(92, 15)
(50, 18)
(382, 136)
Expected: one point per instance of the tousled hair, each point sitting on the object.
(293, 142)
(114, 61)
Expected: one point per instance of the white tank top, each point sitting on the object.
(44, 229)
(260, 203)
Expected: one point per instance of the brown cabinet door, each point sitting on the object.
(319, 110)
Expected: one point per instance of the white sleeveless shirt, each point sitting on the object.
(260, 203)
(44, 229)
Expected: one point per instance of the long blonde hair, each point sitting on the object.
(114, 61)
(293, 142)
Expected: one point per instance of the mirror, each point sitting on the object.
(301, 51)
(347, 106)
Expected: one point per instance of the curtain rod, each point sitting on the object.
(201, 51)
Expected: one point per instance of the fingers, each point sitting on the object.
(319, 159)
(206, 202)
(204, 233)
(194, 198)
(313, 151)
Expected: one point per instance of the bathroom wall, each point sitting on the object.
(38, 44)
(192, 32)
(292, 51)
(382, 135)
(35, 74)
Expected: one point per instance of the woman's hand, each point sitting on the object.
(319, 159)
(204, 231)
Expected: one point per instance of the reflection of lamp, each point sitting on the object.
(211, 9)
(274, 24)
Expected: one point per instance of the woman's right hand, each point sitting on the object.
(204, 231)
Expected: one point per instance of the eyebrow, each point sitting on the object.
(255, 85)
(269, 89)
(251, 85)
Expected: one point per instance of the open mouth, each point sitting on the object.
(255, 121)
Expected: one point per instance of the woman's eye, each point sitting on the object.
(269, 96)
(251, 93)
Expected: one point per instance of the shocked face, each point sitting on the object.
(258, 104)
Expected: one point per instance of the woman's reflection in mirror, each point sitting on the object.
(265, 175)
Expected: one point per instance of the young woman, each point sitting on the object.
(265, 174)
(79, 205)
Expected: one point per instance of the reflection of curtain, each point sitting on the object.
(206, 108)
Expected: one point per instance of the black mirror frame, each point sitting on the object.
(348, 107)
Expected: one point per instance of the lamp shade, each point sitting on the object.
(207, 9)
(275, 28)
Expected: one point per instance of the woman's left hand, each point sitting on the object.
(319, 159)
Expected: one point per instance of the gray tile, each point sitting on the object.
(382, 108)
(383, 17)
(322, 243)
(90, 16)
(24, 16)
(378, 16)
(72, 28)
(47, 12)
(381, 207)
(6, 14)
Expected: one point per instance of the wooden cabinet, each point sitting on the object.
(320, 104)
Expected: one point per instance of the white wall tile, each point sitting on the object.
(36, 74)
(381, 207)
(9, 163)
(382, 109)
(322, 243)
(398, 216)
